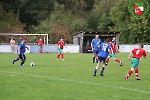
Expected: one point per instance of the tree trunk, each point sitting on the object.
(18, 13)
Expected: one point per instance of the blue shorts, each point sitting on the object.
(95, 52)
(100, 59)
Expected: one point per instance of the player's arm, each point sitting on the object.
(130, 55)
(27, 48)
(145, 55)
(116, 47)
(65, 45)
(92, 45)
(57, 45)
(18, 50)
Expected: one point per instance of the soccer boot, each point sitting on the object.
(126, 78)
(95, 72)
(13, 62)
(92, 61)
(101, 74)
(137, 78)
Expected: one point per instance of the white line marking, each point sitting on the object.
(82, 82)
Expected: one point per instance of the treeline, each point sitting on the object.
(62, 18)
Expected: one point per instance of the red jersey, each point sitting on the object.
(40, 42)
(61, 44)
(138, 53)
(113, 48)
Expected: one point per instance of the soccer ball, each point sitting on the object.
(32, 64)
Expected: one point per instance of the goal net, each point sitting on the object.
(31, 38)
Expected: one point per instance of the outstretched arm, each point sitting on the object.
(130, 55)
(27, 48)
(18, 50)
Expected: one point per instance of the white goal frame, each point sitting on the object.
(12, 34)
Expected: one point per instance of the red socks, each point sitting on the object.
(117, 60)
(136, 73)
(58, 55)
(107, 60)
(129, 73)
(62, 55)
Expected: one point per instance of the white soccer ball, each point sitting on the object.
(32, 64)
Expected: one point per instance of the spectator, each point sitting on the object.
(12, 44)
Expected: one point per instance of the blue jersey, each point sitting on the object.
(22, 48)
(104, 50)
(95, 43)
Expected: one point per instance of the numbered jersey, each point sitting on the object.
(104, 50)
(138, 53)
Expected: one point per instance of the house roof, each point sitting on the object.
(97, 33)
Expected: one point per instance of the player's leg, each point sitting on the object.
(96, 68)
(103, 67)
(58, 53)
(135, 63)
(136, 69)
(117, 60)
(40, 49)
(107, 60)
(129, 73)
(136, 73)
(94, 55)
(62, 56)
(13, 61)
(22, 59)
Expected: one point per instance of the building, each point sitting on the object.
(84, 38)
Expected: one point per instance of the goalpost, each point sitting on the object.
(11, 34)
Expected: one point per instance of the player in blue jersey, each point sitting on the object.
(21, 52)
(94, 47)
(102, 55)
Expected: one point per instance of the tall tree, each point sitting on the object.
(98, 19)
(30, 12)
(8, 22)
(134, 30)
(61, 20)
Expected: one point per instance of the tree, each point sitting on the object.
(8, 22)
(61, 23)
(98, 19)
(104, 22)
(134, 30)
(30, 12)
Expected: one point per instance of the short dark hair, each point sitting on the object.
(107, 40)
(141, 45)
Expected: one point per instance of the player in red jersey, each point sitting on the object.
(60, 46)
(40, 44)
(113, 52)
(136, 55)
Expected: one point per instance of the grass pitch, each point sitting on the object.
(71, 79)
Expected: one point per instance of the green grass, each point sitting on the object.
(71, 79)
